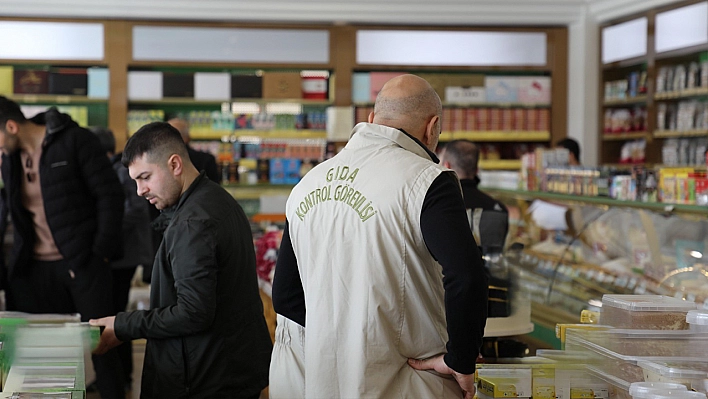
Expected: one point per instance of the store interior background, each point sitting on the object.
(582, 17)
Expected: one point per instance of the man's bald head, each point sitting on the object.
(182, 126)
(409, 102)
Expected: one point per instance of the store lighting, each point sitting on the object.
(696, 254)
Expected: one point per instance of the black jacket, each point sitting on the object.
(474, 198)
(206, 334)
(83, 199)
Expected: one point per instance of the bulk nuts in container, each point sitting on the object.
(645, 312)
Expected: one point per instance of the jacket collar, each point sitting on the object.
(54, 121)
(166, 215)
(398, 136)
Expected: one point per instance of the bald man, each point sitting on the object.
(201, 160)
(379, 284)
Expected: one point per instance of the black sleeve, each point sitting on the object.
(449, 239)
(288, 295)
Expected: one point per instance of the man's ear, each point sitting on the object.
(430, 130)
(175, 165)
(12, 127)
(371, 117)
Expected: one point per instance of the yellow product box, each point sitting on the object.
(6, 80)
(505, 387)
(597, 392)
(561, 329)
(543, 379)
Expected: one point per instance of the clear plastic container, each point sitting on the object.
(697, 320)
(673, 373)
(646, 312)
(676, 395)
(655, 345)
(641, 390)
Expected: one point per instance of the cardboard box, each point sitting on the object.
(98, 82)
(465, 95)
(535, 90)
(6, 81)
(177, 84)
(361, 87)
(502, 89)
(31, 81)
(314, 87)
(68, 81)
(282, 85)
(246, 86)
(212, 86)
(144, 85)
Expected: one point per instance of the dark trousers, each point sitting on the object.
(121, 292)
(54, 287)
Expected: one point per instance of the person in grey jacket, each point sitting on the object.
(137, 241)
(206, 333)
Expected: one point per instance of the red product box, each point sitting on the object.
(507, 119)
(495, 119)
(519, 120)
(470, 119)
(531, 119)
(544, 120)
(482, 119)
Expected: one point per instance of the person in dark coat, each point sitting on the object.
(462, 156)
(206, 333)
(201, 160)
(66, 206)
(137, 239)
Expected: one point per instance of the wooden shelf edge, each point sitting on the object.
(624, 136)
(54, 99)
(662, 134)
(677, 94)
(499, 135)
(198, 135)
(626, 101)
(602, 201)
(500, 164)
(190, 101)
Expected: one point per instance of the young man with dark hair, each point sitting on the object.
(66, 205)
(207, 337)
(573, 147)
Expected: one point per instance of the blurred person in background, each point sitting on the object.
(137, 242)
(201, 160)
(66, 206)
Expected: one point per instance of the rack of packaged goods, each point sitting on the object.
(266, 128)
(682, 108)
(624, 128)
(80, 91)
(602, 246)
(507, 115)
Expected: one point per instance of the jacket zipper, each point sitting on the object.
(186, 366)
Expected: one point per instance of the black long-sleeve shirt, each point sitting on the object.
(447, 235)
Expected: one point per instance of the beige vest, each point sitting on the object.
(374, 294)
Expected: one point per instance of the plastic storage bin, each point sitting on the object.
(641, 390)
(690, 374)
(697, 320)
(646, 312)
(676, 395)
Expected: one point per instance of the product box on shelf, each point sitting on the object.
(98, 82)
(212, 86)
(535, 89)
(697, 320)
(6, 83)
(68, 81)
(465, 95)
(178, 84)
(502, 89)
(361, 87)
(31, 81)
(246, 86)
(282, 85)
(144, 85)
(377, 80)
(314, 85)
(649, 312)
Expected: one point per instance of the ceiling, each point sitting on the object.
(440, 12)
